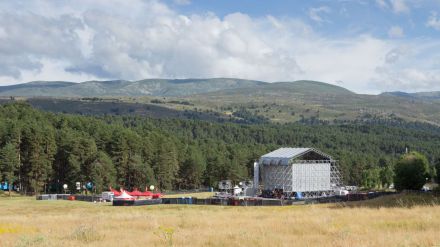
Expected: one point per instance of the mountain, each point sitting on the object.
(284, 89)
(149, 87)
(163, 87)
(419, 95)
(310, 101)
(34, 88)
(397, 94)
(229, 98)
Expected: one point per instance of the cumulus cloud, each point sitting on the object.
(399, 6)
(399, 72)
(116, 39)
(433, 21)
(395, 32)
(29, 37)
(315, 13)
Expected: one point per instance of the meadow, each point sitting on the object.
(398, 220)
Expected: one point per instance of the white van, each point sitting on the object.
(107, 196)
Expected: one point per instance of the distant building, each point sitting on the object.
(305, 170)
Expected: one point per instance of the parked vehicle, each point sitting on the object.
(108, 196)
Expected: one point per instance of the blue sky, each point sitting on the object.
(344, 17)
(368, 46)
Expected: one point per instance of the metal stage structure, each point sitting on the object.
(298, 171)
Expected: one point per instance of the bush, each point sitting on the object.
(411, 172)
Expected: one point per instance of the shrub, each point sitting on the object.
(411, 172)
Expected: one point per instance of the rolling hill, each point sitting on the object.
(306, 101)
(162, 87)
(419, 95)
(149, 87)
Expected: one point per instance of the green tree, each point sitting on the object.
(9, 164)
(215, 170)
(120, 153)
(141, 175)
(411, 172)
(371, 178)
(103, 173)
(437, 167)
(40, 150)
(192, 169)
(166, 165)
(386, 176)
(73, 160)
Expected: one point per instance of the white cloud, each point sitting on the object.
(114, 39)
(315, 13)
(382, 4)
(399, 6)
(395, 32)
(400, 71)
(182, 2)
(433, 21)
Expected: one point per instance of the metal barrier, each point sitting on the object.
(86, 198)
(232, 201)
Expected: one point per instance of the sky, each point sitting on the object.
(367, 46)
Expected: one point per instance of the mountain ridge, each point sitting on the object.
(173, 87)
(304, 101)
(432, 95)
(155, 87)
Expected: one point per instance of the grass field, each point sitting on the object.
(200, 195)
(409, 220)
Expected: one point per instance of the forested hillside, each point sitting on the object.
(42, 150)
(277, 102)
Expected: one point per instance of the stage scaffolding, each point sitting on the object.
(313, 178)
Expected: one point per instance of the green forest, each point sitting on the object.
(41, 151)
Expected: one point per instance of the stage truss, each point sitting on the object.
(313, 178)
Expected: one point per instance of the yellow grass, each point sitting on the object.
(200, 195)
(27, 222)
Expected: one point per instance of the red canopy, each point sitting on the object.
(136, 192)
(157, 195)
(115, 192)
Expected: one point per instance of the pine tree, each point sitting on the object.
(141, 173)
(166, 165)
(120, 153)
(192, 169)
(103, 173)
(215, 170)
(74, 157)
(41, 148)
(9, 164)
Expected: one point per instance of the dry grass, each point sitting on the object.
(26, 222)
(200, 195)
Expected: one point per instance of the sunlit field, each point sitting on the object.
(388, 221)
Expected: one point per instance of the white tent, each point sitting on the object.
(124, 196)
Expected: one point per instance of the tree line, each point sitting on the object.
(41, 151)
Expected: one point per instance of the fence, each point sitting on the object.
(86, 198)
(178, 192)
(230, 201)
